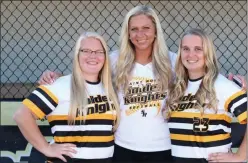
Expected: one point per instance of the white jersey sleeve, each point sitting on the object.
(45, 98)
(234, 99)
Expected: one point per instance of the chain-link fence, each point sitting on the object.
(40, 35)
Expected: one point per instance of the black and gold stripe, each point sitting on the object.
(209, 116)
(191, 132)
(241, 110)
(33, 107)
(88, 117)
(82, 133)
(92, 144)
(191, 121)
(94, 138)
(199, 139)
(201, 144)
(242, 118)
(40, 104)
(67, 139)
(183, 137)
(233, 99)
(93, 119)
(48, 95)
(39, 107)
(80, 122)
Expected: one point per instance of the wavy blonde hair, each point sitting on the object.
(206, 89)
(78, 94)
(160, 59)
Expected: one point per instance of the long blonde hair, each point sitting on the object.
(206, 90)
(78, 96)
(160, 59)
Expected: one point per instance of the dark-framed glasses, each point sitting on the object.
(89, 52)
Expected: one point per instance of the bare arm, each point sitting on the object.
(26, 122)
(48, 77)
(239, 80)
(240, 156)
(242, 151)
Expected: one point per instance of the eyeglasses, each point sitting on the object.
(88, 52)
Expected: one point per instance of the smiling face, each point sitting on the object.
(91, 57)
(141, 32)
(192, 56)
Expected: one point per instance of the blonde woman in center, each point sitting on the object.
(143, 73)
(82, 108)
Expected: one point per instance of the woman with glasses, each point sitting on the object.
(142, 72)
(81, 108)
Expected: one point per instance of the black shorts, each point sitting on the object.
(190, 160)
(73, 160)
(123, 155)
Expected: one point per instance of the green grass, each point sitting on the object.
(7, 111)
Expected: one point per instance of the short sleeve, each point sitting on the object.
(237, 105)
(41, 102)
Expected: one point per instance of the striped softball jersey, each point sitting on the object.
(94, 139)
(193, 136)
